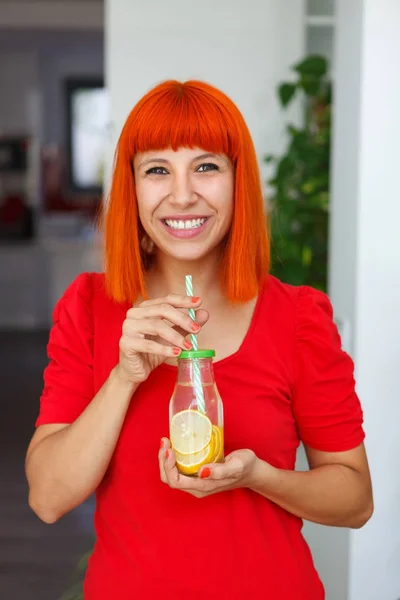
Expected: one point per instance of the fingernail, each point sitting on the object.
(196, 327)
(162, 444)
(166, 453)
(188, 345)
(176, 351)
(195, 299)
(205, 473)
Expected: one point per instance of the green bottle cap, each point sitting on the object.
(197, 354)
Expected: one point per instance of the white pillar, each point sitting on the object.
(245, 48)
(365, 269)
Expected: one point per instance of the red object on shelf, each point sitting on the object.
(13, 209)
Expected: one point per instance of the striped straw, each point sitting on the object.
(192, 314)
(198, 386)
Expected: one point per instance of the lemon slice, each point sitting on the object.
(190, 432)
(189, 464)
(218, 443)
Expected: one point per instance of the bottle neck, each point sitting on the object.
(186, 370)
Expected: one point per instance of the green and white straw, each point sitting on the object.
(198, 386)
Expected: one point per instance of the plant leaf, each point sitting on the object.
(310, 84)
(312, 65)
(286, 92)
(75, 593)
(306, 256)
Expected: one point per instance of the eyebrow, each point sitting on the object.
(164, 161)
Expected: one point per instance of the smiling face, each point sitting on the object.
(185, 200)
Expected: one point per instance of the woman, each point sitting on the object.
(186, 198)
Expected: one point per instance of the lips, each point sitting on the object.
(187, 226)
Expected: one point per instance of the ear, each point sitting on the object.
(147, 244)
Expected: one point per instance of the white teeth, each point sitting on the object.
(189, 224)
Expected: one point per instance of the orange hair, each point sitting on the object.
(175, 115)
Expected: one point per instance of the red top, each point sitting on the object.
(289, 381)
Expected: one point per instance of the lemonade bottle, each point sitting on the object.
(196, 413)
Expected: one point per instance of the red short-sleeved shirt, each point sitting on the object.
(289, 381)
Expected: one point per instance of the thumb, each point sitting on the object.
(202, 316)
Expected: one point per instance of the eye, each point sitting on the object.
(207, 167)
(156, 171)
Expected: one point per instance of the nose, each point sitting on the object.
(183, 193)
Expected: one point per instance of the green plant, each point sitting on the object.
(76, 590)
(299, 204)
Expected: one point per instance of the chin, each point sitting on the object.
(188, 252)
(188, 256)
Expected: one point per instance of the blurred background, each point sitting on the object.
(318, 84)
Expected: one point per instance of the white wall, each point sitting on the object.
(245, 48)
(376, 550)
(365, 267)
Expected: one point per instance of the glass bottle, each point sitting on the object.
(196, 413)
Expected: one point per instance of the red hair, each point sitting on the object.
(175, 115)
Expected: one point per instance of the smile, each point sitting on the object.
(185, 228)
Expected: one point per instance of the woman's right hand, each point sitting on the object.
(154, 331)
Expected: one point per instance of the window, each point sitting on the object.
(87, 134)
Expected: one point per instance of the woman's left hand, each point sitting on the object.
(238, 471)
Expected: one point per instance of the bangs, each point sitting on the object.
(182, 116)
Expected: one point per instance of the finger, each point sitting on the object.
(168, 469)
(231, 469)
(177, 300)
(171, 471)
(166, 312)
(201, 319)
(202, 316)
(132, 345)
(164, 445)
(155, 328)
(196, 486)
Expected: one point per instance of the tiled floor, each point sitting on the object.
(36, 560)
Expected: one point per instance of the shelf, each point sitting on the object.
(318, 21)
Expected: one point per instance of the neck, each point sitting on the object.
(167, 275)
